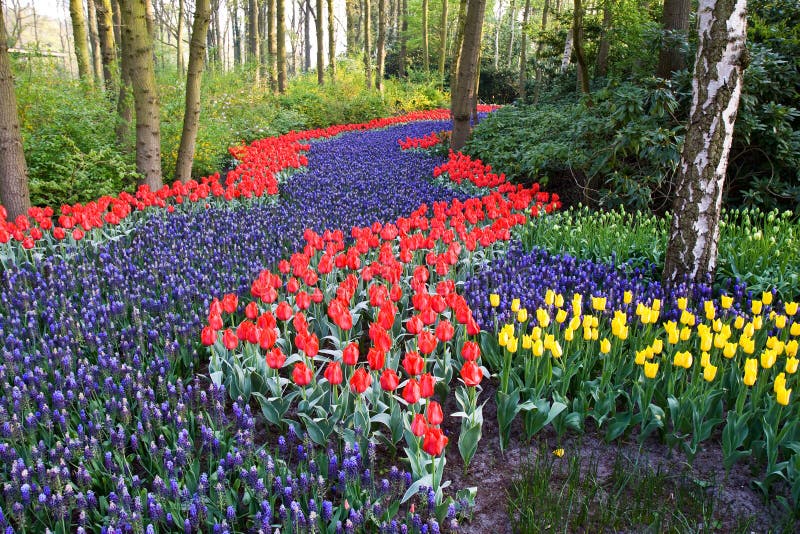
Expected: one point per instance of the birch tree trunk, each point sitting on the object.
(381, 51)
(331, 41)
(462, 97)
(320, 45)
(191, 114)
(137, 43)
(280, 32)
(565, 57)
(14, 193)
(443, 42)
(676, 20)
(523, 51)
(367, 48)
(80, 40)
(716, 89)
(426, 66)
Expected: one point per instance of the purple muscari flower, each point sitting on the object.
(327, 510)
(230, 513)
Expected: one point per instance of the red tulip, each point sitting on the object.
(333, 373)
(284, 311)
(471, 374)
(411, 393)
(418, 425)
(434, 413)
(317, 296)
(428, 316)
(396, 293)
(426, 342)
(303, 300)
(292, 285)
(413, 363)
(275, 358)
(471, 351)
(389, 380)
(414, 325)
(59, 233)
(473, 329)
(77, 234)
(360, 380)
(208, 336)
(215, 321)
(438, 303)
(312, 346)
(229, 303)
(426, 385)
(445, 331)
(301, 374)
(434, 442)
(376, 358)
(350, 354)
(229, 339)
(251, 311)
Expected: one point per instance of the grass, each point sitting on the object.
(579, 493)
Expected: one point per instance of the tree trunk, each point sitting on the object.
(443, 43)
(331, 41)
(716, 88)
(272, 45)
(280, 32)
(464, 93)
(253, 40)
(497, 27)
(605, 42)
(512, 22)
(401, 68)
(381, 52)
(233, 10)
(425, 57)
(539, 48)
(94, 39)
(191, 114)
(367, 49)
(80, 40)
(351, 10)
(14, 194)
(307, 36)
(457, 44)
(108, 53)
(137, 45)
(565, 57)
(577, 29)
(676, 20)
(476, 95)
(125, 97)
(523, 52)
(320, 45)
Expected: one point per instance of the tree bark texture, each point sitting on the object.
(307, 36)
(125, 96)
(253, 38)
(94, 40)
(577, 30)
(539, 48)
(716, 89)
(331, 41)
(280, 32)
(320, 45)
(367, 48)
(381, 51)
(523, 51)
(80, 40)
(191, 114)
(137, 45)
(108, 52)
(179, 41)
(236, 32)
(443, 42)
(401, 68)
(351, 10)
(462, 97)
(676, 20)
(512, 21)
(605, 43)
(457, 43)
(425, 52)
(272, 45)
(497, 27)
(14, 193)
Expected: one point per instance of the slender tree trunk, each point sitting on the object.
(523, 52)
(108, 53)
(425, 57)
(94, 39)
(381, 51)
(676, 20)
(331, 41)
(457, 44)
(476, 96)
(280, 32)
(497, 26)
(512, 23)
(307, 36)
(125, 97)
(137, 45)
(443, 42)
(14, 193)
(272, 44)
(179, 40)
(577, 28)
(605, 43)
(401, 68)
(80, 40)
(320, 45)
(351, 10)
(367, 48)
(716, 89)
(191, 115)
(464, 93)
(233, 10)
(539, 48)
(565, 57)
(253, 40)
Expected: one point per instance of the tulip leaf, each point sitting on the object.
(413, 489)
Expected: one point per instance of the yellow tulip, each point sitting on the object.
(687, 318)
(709, 372)
(766, 297)
(682, 302)
(682, 359)
(780, 382)
(795, 329)
(791, 365)
(599, 303)
(673, 336)
(559, 302)
(686, 333)
(577, 304)
(758, 322)
(515, 305)
(756, 307)
(705, 359)
(556, 350)
(587, 333)
(790, 308)
(717, 324)
(640, 309)
(705, 342)
(658, 346)
(511, 346)
(605, 346)
(650, 369)
(738, 323)
(780, 321)
(719, 341)
(656, 305)
(574, 323)
(711, 311)
(561, 316)
(627, 297)
(569, 334)
(538, 348)
(641, 356)
(559, 452)
(783, 397)
(749, 329)
(750, 371)
(522, 315)
(749, 345)
(596, 334)
(527, 342)
(536, 333)
(730, 350)
(549, 297)
(791, 348)
(768, 358)
(543, 317)
(494, 300)
(726, 301)
(502, 338)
